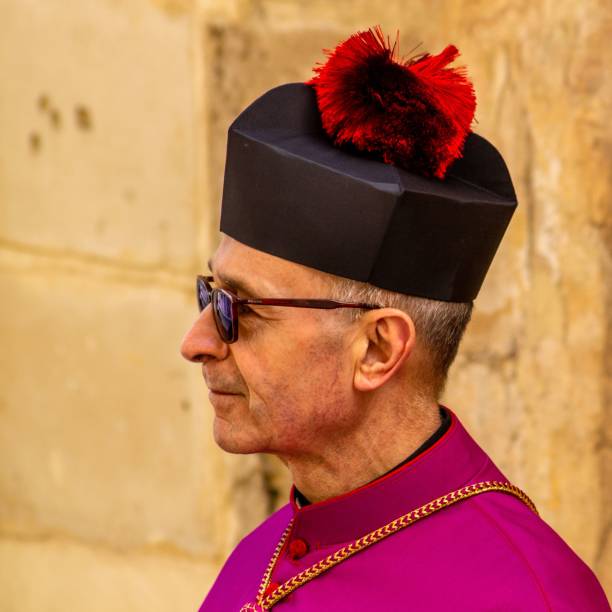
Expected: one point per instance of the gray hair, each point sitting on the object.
(439, 325)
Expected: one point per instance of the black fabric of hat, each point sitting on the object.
(291, 191)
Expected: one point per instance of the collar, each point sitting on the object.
(450, 463)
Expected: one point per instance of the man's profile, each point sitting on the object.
(359, 218)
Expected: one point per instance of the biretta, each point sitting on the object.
(370, 171)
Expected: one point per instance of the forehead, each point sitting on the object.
(270, 272)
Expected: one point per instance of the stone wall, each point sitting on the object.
(113, 118)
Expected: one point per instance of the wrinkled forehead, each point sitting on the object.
(264, 270)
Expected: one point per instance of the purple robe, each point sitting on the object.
(489, 552)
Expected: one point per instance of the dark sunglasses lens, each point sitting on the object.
(203, 294)
(222, 308)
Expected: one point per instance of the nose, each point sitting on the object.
(203, 339)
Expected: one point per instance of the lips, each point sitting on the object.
(219, 391)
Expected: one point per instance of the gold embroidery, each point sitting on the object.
(266, 602)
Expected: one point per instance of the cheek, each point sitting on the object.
(266, 364)
(321, 377)
(279, 372)
(297, 377)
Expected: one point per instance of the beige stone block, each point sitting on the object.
(104, 427)
(98, 130)
(479, 393)
(604, 553)
(65, 576)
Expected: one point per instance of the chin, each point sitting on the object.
(232, 440)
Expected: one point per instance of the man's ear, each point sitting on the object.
(385, 339)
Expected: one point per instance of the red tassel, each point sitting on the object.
(415, 114)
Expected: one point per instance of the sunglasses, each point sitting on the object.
(226, 306)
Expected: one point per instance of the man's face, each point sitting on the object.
(289, 373)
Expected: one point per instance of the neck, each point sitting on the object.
(365, 454)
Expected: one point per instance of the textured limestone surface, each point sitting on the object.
(98, 131)
(113, 495)
(58, 575)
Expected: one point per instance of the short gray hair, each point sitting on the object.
(439, 325)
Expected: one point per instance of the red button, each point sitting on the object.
(271, 588)
(297, 549)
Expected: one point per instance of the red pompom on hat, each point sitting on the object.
(414, 114)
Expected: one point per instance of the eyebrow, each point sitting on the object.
(236, 284)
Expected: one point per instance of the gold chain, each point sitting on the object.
(266, 577)
(266, 602)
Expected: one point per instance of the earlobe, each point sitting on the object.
(385, 343)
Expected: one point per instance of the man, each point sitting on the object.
(360, 216)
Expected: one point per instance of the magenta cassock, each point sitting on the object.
(488, 552)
